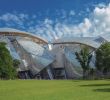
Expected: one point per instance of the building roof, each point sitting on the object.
(89, 41)
(106, 37)
(15, 32)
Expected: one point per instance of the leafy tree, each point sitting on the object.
(16, 63)
(7, 71)
(103, 57)
(84, 58)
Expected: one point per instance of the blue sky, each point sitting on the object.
(52, 18)
(48, 8)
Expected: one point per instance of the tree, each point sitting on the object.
(7, 71)
(16, 63)
(84, 58)
(103, 58)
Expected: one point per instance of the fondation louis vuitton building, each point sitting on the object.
(42, 60)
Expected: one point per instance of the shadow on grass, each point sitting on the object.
(102, 90)
(92, 85)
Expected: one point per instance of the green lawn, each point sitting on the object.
(54, 90)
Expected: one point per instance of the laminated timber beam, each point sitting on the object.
(57, 43)
(28, 36)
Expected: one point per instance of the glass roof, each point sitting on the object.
(19, 31)
(106, 37)
(81, 40)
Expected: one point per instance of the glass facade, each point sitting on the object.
(60, 57)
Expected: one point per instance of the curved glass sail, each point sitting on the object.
(10, 47)
(72, 59)
(70, 55)
(40, 55)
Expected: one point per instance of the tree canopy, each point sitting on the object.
(84, 58)
(103, 57)
(7, 70)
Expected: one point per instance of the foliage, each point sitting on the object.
(16, 63)
(7, 71)
(84, 58)
(103, 57)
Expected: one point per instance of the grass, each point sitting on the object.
(55, 90)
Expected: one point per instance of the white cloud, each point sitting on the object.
(101, 5)
(101, 20)
(44, 29)
(63, 13)
(14, 20)
(98, 23)
(34, 16)
(72, 13)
